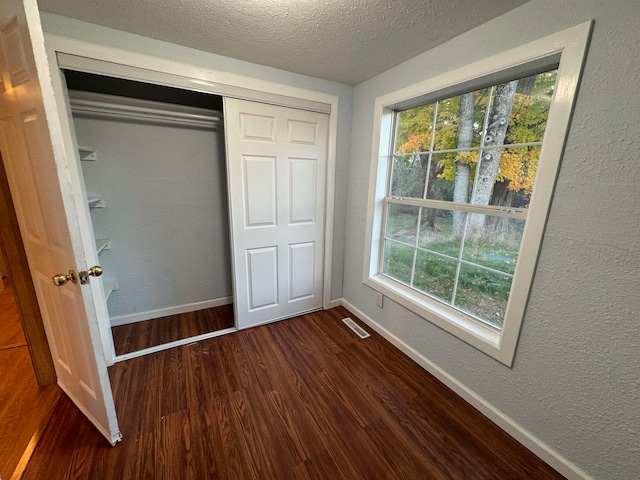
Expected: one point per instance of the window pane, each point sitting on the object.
(441, 231)
(530, 110)
(409, 175)
(513, 181)
(447, 124)
(414, 129)
(402, 223)
(494, 243)
(483, 294)
(435, 275)
(442, 179)
(480, 99)
(398, 261)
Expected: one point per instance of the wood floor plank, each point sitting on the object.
(303, 398)
(25, 407)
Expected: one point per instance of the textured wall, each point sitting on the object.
(166, 211)
(575, 383)
(136, 43)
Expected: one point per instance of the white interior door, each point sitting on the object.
(276, 160)
(43, 197)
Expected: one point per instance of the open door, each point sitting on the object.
(276, 163)
(30, 139)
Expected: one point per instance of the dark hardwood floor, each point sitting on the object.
(298, 399)
(140, 335)
(24, 406)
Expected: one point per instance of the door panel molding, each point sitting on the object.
(262, 278)
(302, 270)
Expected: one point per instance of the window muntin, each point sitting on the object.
(461, 176)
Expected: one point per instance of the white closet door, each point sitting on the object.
(48, 223)
(276, 160)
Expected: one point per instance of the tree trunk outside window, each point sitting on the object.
(489, 159)
(465, 139)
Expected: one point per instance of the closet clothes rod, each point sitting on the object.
(146, 110)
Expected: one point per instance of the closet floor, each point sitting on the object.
(150, 333)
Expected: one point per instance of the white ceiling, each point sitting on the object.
(347, 41)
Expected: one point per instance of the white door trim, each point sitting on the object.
(131, 72)
(112, 61)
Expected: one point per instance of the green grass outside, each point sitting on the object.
(480, 292)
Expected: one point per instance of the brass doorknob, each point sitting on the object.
(94, 271)
(60, 279)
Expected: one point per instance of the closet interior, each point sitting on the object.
(153, 162)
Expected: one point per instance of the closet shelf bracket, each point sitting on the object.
(109, 286)
(96, 202)
(103, 244)
(87, 155)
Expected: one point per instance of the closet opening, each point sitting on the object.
(155, 184)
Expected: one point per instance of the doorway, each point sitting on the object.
(69, 55)
(154, 180)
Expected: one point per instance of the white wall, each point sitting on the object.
(68, 27)
(165, 212)
(575, 383)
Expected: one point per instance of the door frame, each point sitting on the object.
(23, 289)
(69, 53)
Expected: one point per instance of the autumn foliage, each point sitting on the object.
(518, 164)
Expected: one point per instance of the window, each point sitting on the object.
(462, 185)
(462, 172)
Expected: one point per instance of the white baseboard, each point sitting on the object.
(334, 303)
(526, 438)
(164, 312)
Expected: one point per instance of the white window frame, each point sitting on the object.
(566, 50)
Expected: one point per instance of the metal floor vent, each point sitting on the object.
(357, 329)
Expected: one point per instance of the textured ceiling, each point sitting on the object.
(347, 41)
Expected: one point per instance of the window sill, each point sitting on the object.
(466, 328)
